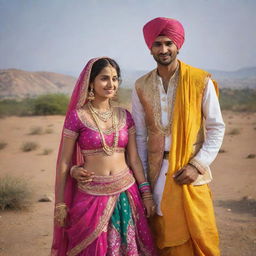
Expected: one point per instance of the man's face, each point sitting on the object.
(164, 50)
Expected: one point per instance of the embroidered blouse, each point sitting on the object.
(76, 126)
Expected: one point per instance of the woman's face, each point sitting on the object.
(105, 83)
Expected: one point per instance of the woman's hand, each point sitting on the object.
(81, 175)
(150, 207)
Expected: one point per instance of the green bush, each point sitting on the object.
(14, 193)
(49, 104)
(16, 107)
(238, 100)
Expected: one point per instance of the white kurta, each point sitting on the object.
(214, 125)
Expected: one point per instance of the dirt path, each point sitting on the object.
(29, 232)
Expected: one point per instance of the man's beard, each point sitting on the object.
(164, 63)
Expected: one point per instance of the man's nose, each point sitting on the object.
(163, 49)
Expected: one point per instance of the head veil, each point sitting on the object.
(78, 99)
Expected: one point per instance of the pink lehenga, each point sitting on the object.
(106, 216)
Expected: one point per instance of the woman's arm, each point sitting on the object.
(63, 167)
(135, 164)
(134, 160)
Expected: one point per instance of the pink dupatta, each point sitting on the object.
(78, 99)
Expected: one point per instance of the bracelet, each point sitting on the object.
(72, 169)
(60, 205)
(145, 190)
(143, 184)
(147, 197)
(144, 187)
(60, 213)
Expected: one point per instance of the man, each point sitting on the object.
(179, 131)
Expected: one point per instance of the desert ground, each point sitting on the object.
(29, 232)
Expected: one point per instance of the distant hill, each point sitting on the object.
(243, 73)
(16, 83)
(239, 79)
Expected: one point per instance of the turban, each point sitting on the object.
(166, 27)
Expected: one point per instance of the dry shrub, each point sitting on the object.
(48, 130)
(2, 144)
(251, 156)
(14, 193)
(29, 146)
(36, 130)
(47, 151)
(234, 131)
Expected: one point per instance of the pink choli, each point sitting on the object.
(76, 126)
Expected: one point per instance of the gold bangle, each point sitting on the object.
(72, 170)
(60, 205)
(60, 213)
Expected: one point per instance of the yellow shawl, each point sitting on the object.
(187, 210)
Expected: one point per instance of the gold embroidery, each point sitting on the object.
(119, 175)
(155, 94)
(136, 216)
(202, 169)
(103, 222)
(90, 152)
(121, 117)
(69, 133)
(115, 187)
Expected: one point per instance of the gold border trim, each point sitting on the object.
(103, 223)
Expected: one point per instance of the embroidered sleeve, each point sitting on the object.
(130, 123)
(199, 166)
(71, 125)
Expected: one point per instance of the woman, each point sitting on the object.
(98, 210)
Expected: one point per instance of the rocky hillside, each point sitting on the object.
(16, 83)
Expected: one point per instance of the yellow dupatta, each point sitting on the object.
(187, 209)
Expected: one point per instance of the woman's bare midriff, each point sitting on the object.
(104, 165)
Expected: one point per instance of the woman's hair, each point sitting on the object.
(102, 63)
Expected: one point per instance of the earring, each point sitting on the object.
(91, 95)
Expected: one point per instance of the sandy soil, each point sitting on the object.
(29, 232)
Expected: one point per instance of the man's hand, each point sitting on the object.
(82, 175)
(186, 175)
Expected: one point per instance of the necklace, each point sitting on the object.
(103, 116)
(109, 150)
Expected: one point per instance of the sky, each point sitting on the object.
(62, 35)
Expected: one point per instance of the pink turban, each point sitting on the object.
(164, 26)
